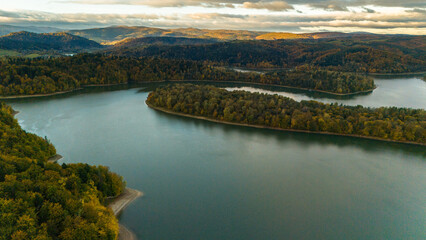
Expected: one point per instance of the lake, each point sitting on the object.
(205, 180)
(398, 92)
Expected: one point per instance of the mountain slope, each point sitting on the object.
(383, 54)
(110, 35)
(26, 41)
(146, 41)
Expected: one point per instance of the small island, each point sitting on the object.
(281, 113)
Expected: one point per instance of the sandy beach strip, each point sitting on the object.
(55, 158)
(126, 234)
(119, 204)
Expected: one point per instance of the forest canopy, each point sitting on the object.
(43, 200)
(274, 111)
(19, 76)
(381, 54)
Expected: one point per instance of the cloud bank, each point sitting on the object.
(377, 16)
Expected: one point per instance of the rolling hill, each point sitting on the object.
(27, 41)
(378, 54)
(146, 41)
(110, 35)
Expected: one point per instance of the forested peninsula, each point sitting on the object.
(278, 112)
(20, 76)
(43, 200)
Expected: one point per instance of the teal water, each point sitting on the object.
(205, 180)
(399, 92)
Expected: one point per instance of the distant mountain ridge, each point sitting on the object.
(138, 42)
(111, 35)
(6, 29)
(28, 41)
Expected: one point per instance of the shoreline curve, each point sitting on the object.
(118, 204)
(174, 81)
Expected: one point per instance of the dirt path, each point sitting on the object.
(119, 204)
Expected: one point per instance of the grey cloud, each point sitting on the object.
(415, 20)
(215, 16)
(10, 14)
(326, 4)
(156, 3)
(342, 4)
(272, 6)
(329, 6)
(417, 10)
(26, 18)
(369, 10)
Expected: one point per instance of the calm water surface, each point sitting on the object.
(205, 180)
(399, 92)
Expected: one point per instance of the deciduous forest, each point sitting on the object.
(365, 55)
(388, 123)
(19, 76)
(43, 200)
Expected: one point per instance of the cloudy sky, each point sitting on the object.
(377, 16)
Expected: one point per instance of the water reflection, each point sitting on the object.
(211, 181)
(305, 139)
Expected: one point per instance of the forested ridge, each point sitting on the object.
(387, 123)
(364, 53)
(20, 76)
(28, 41)
(146, 41)
(381, 54)
(42, 200)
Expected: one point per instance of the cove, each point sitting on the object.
(206, 180)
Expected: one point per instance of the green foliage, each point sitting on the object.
(390, 123)
(40, 76)
(382, 55)
(319, 79)
(14, 141)
(43, 200)
(28, 41)
(146, 41)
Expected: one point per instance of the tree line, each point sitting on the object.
(388, 123)
(383, 55)
(43, 201)
(20, 76)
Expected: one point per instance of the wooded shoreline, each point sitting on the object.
(280, 129)
(37, 95)
(175, 81)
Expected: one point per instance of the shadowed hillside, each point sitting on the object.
(146, 41)
(370, 53)
(26, 41)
